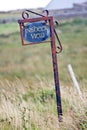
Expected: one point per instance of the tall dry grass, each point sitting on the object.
(20, 111)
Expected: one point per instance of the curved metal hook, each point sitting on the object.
(47, 12)
(57, 23)
(60, 45)
(25, 14)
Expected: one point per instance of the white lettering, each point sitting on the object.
(37, 35)
(36, 29)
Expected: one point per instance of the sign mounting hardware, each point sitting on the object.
(38, 30)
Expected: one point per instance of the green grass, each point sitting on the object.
(74, 39)
(28, 61)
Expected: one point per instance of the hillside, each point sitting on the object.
(16, 59)
(26, 80)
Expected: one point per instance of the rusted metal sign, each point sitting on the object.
(39, 30)
(36, 32)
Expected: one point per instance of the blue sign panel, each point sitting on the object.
(36, 32)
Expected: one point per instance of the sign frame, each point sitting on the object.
(21, 24)
(53, 51)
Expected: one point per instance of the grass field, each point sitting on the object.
(27, 93)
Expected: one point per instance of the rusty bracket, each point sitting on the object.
(25, 15)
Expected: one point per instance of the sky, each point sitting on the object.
(61, 4)
(6, 5)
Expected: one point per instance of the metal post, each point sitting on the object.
(55, 69)
(25, 16)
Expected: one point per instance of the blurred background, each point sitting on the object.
(27, 93)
